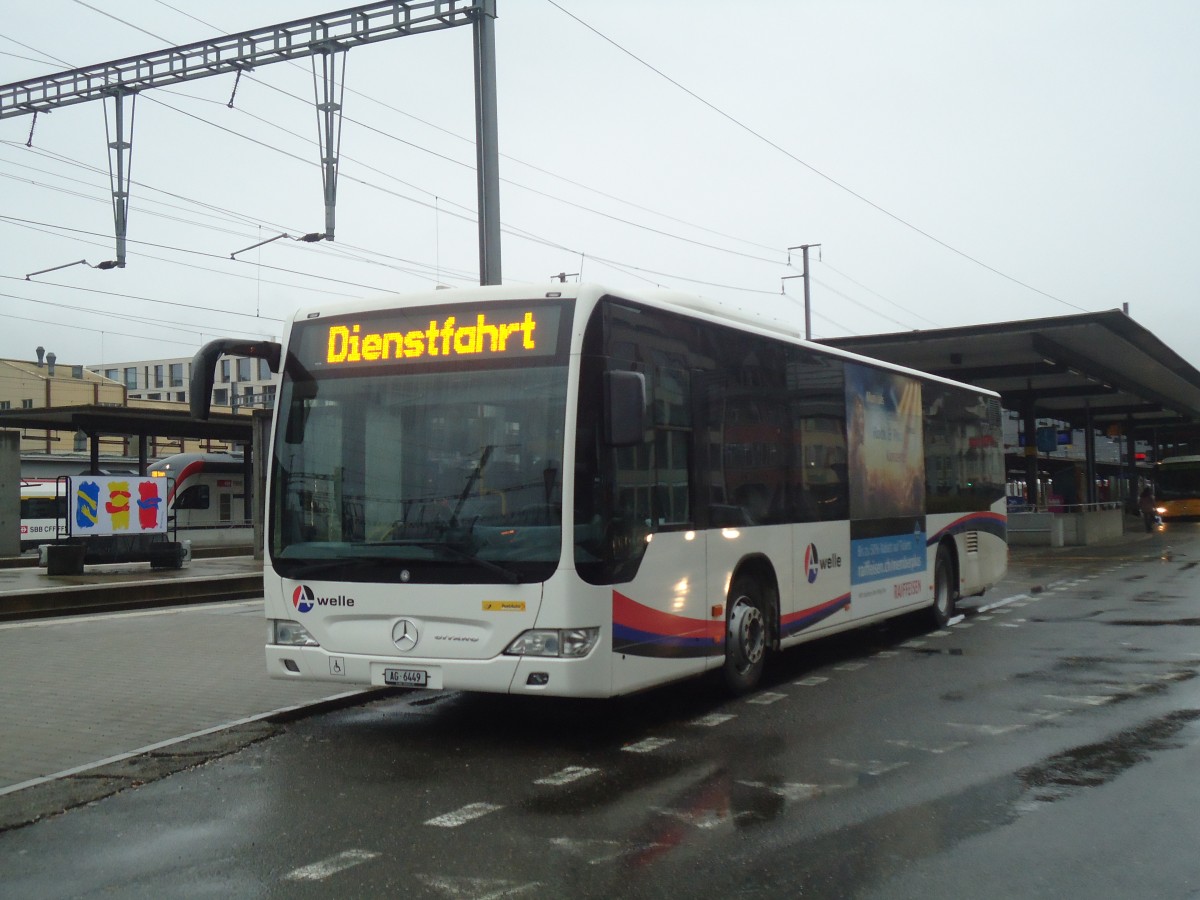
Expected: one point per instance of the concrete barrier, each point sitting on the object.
(1072, 529)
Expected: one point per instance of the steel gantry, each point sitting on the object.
(328, 36)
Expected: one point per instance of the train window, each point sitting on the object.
(195, 497)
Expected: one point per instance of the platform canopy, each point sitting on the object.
(1100, 367)
(133, 421)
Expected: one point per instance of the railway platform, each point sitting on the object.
(28, 591)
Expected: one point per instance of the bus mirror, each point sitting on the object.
(204, 368)
(624, 408)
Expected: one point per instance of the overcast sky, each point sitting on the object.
(959, 162)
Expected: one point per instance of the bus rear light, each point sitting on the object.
(565, 642)
(287, 633)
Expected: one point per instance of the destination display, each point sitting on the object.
(430, 335)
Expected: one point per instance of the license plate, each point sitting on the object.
(406, 677)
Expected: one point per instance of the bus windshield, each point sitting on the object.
(446, 475)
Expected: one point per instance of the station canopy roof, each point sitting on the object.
(1104, 363)
(133, 420)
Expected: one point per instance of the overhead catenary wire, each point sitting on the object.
(437, 269)
(819, 173)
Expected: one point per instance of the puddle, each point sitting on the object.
(1187, 623)
(1092, 765)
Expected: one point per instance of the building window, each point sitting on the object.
(176, 374)
(244, 372)
(5, 404)
(181, 396)
(26, 404)
(221, 397)
(81, 441)
(264, 370)
(112, 374)
(225, 371)
(158, 376)
(154, 396)
(131, 377)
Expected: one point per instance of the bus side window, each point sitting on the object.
(195, 497)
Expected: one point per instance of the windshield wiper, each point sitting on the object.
(503, 571)
(311, 567)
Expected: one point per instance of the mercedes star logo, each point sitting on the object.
(405, 635)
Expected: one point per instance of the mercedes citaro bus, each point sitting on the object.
(586, 492)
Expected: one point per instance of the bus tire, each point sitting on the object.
(746, 635)
(944, 599)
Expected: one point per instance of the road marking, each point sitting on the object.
(999, 603)
(811, 681)
(913, 644)
(869, 767)
(944, 748)
(713, 719)
(1088, 700)
(598, 851)
(850, 666)
(464, 888)
(468, 813)
(766, 698)
(220, 605)
(794, 792)
(567, 775)
(326, 868)
(882, 654)
(989, 730)
(647, 745)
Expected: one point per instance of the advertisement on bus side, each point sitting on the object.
(886, 471)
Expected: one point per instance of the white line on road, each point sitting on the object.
(319, 871)
(999, 603)
(567, 775)
(766, 697)
(713, 719)
(647, 745)
(468, 813)
(461, 888)
(223, 605)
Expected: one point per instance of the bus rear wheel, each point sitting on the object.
(944, 605)
(745, 636)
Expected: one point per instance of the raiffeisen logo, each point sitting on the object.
(304, 599)
(350, 344)
(813, 563)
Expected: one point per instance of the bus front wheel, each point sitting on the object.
(745, 636)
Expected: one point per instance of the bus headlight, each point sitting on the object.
(564, 642)
(291, 634)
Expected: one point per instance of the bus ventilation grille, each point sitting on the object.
(972, 541)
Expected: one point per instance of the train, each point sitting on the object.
(206, 502)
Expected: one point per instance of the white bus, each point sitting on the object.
(585, 492)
